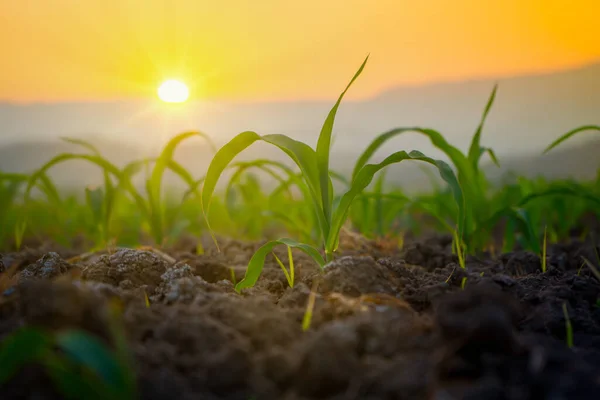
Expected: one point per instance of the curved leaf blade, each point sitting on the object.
(302, 155)
(570, 134)
(365, 175)
(474, 150)
(20, 348)
(324, 147)
(257, 262)
(436, 138)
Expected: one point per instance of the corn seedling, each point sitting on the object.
(289, 275)
(314, 166)
(103, 201)
(472, 207)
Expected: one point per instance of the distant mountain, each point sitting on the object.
(579, 162)
(529, 112)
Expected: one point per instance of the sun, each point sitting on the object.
(173, 91)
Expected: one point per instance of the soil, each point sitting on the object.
(403, 324)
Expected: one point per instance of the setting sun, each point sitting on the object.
(173, 91)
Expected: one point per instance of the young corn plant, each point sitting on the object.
(289, 275)
(474, 210)
(314, 166)
(102, 202)
(103, 206)
(154, 208)
(259, 209)
(10, 185)
(374, 212)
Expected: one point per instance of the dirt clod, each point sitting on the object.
(407, 325)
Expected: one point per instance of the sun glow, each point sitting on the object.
(173, 91)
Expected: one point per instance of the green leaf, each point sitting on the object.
(50, 189)
(40, 173)
(475, 149)
(518, 218)
(492, 155)
(93, 354)
(339, 177)
(164, 161)
(257, 262)
(364, 177)
(22, 347)
(261, 164)
(574, 191)
(324, 145)
(107, 200)
(302, 155)
(95, 198)
(571, 133)
(73, 383)
(83, 143)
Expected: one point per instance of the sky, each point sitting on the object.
(262, 50)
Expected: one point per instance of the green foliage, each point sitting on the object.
(570, 134)
(79, 364)
(316, 174)
(272, 201)
(257, 261)
(470, 190)
(154, 184)
(289, 275)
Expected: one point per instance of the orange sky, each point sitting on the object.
(72, 50)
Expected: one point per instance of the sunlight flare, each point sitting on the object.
(173, 91)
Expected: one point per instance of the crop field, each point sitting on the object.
(318, 286)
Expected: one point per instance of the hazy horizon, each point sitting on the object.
(544, 105)
(530, 111)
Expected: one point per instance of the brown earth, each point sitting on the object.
(386, 325)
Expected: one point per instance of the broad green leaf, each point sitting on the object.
(436, 138)
(324, 147)
(75, 383)
(25, 346)
(93, 354)
(257, 262)
(364, 177)
(300, 153)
